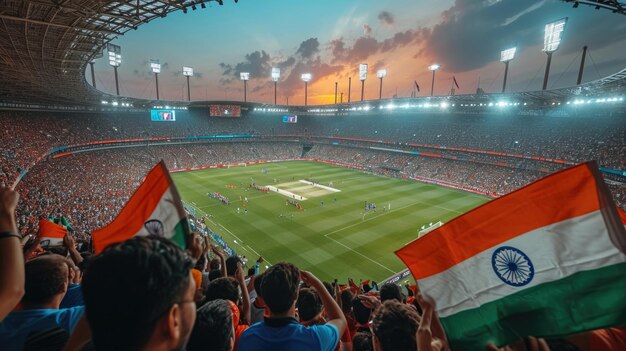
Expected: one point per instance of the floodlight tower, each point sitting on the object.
(336, 85)
(188, 72)
(275, 78)
(115, 60)
(349, 87)
(434, 67)
(362, 78)
(506, 56)
(245, 76)
(551, 41)
(381, 74)
(156, 69)
(306, 78)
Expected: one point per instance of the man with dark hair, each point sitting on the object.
(309, 307)
(362, 342)
(223, 288)
(139, 295)
(391, 291)
(231, 265)
(46, 284)
(394, 327)
(281, 331)
(361, 315)
(213, 330)
(257, 307)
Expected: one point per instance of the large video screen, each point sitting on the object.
(163, 115)
(224, 110)
(290, 119)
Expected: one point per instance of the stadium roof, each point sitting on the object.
(45, 45)
(615, 6)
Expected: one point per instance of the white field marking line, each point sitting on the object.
(253, 250)
(319, 186)
(389, 212)
(286, 193)
(240, 242)
(360, 254)
(218, 224)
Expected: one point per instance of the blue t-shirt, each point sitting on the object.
(287, 335)
(73, 297)
(16, 327)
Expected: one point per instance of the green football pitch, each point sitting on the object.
(336, 239)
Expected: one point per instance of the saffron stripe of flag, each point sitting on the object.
(545, 260)
(154, 209)
(51, 233)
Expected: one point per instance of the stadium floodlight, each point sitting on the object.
(275, 79)
(275, 74)
(245, 76)
(188, 72)
(115, 60)
(362, 78)
(306, 78)
(156, 69)
(552, 35)
(551, 41)
(506, 56)
(155, 66)
(382, 73)
(434, 67)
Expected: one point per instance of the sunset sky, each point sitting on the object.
(330, 38)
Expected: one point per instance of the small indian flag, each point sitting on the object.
(546, 260)
(154, 209)
(51, 233)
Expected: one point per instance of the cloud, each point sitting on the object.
(257, 63)
(367, 46)
(472, 33)
(367, 30)
(308, 48)
(386, 18)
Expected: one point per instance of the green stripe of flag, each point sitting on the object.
(583, 301)
(180, 233)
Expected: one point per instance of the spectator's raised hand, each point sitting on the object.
(371, 302)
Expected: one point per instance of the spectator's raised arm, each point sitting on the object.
(11, 258)
(333, 311)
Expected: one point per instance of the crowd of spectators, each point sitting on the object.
(147, 293)
(575, 137)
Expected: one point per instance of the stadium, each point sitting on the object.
(398, 192)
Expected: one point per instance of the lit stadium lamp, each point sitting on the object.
(245, 76)
(381, 74)
(156, 69)
(275, 79)
(506, 56)
(306, 77)
(434, 67)
(362, 78)
(551, 41)
(188, 72)
(115, 60)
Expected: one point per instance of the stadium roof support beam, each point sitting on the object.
(612, 5)
(34, 21)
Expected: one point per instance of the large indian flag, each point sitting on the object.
(154, 209)
(546, 260)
